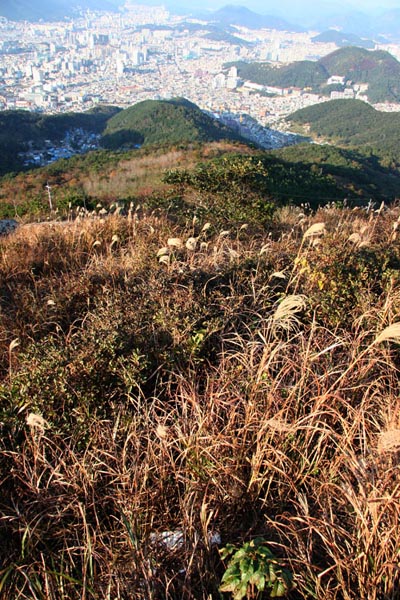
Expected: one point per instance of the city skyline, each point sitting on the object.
(101, 59)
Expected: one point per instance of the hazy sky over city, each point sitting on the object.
(264, 6)
(297, 5)
(303, 13)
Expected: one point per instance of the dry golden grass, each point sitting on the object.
(230, 392)
(136, 174)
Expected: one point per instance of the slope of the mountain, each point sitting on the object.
(342, 39)
(158, 176)
(220, 35)
(352, 123)
(22, 130)
(355, 172)
(356, 22)
(244, 17)
(379, 69)
(304, 73)
(389, 23)
(34, 10)
(154, 122)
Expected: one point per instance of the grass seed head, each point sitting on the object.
(285, 314)
(389, 441)
(317, 229)
(164, 259)
(191, 244)
(36, 421)
(390, 333)
(175, 242)
(164, 251)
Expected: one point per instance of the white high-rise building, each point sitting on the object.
(37, 74)
(120, 65)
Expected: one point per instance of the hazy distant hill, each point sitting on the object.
(342, 39)
(219, 35)
(163, 122)
(389, 23)
(240, 15)
(377, 68)
(352, 123)
(362, 24)
(356, 22)
(33, 10)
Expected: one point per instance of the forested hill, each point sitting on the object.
(351, 123)
(342, 39)
(379, 69)
(177, 134)
(152, 122)
(164, 121)
(20, 129)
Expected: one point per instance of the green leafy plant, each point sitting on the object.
(254, 569)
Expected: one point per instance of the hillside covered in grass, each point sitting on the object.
(173, 392)
(228, 178)
(199, 371)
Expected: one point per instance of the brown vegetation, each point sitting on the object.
(161, 378)
(101, 176)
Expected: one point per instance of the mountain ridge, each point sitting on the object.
(163, 121)
(342, 39)
(35, 10)
(242, 16)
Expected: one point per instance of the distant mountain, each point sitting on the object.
(352, 123)
(159, 122)
(389, 24)
(379, 69)
(342, 39)
(219, 35)
(355, 22)
(364, 25)
(242, 16)
(34, 10)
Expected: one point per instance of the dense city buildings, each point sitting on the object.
(146, 53)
